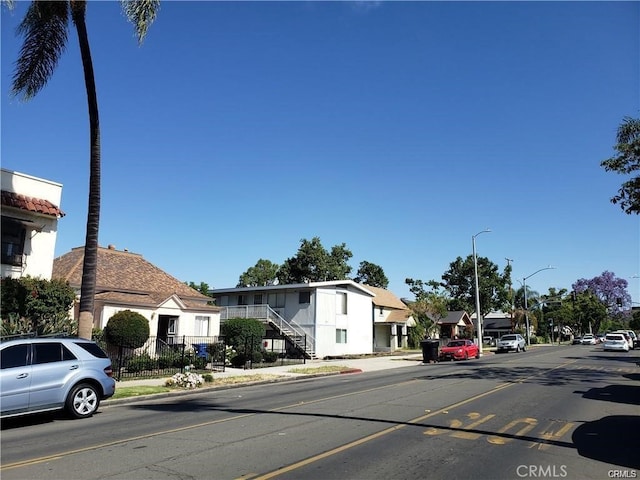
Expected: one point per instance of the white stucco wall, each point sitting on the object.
(357, 322)
(185, 324)
(40, 242)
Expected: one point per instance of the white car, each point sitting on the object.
(588, 339)
(627, 336)
(512, 341)
(615, 342)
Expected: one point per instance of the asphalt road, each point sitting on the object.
(557, 412)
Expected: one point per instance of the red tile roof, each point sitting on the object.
(36, 205)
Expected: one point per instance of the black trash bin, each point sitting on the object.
(429, 350)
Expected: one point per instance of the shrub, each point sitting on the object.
(140, 363)
(244, 335)
(270, 356)
(35, 305)
(185, 380)
(127, 329)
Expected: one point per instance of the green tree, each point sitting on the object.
(634, 323)
(313, 263)
(626, 162)
(127, 329)
(202, 287)
(44, 28)
(371, 274)
(494, 287)
(245, 336)
(262, 274)
(36, 305)
(428, 308)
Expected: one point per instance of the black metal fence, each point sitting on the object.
(160, 357)
(167, 356)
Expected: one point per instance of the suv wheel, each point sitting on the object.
(83, 401)
(517, 348)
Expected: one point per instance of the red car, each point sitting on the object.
(459, 350)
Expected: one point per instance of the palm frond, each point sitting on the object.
(44, 28)
(141, 13)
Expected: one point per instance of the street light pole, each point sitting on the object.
(475, 269)
(526, 308)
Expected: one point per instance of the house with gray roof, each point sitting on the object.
(322, 319)
(126, 281)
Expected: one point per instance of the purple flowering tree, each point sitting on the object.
(609, 289)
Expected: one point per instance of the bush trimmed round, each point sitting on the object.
(127, 329)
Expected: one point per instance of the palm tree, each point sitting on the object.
(44, 28)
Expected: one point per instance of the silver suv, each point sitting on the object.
(40, 374)
(512, 341)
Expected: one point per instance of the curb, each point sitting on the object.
(206, 388)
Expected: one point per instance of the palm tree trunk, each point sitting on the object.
(90, 265)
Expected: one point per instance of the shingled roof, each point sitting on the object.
(30, 204)
(126, 277)
(384, 298)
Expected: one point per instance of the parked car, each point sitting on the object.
(488, 340)
(576, 341)
(459, 350)
(588, 339)
(627, 337)
(615, 342)
(512, 341)
(600, 337)
(39, 374)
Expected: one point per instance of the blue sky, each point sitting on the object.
(400, 129)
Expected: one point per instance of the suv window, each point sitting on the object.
(51, 352)
(14, 356)
(93, 349)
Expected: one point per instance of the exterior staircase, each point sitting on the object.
(301, 340)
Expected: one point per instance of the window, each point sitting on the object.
(257, 299)
(13, 235)
(304, 297)
(202, 326)
(172, 327)
(50, 353)
(341, 303)
(276, 300)
(15, 356)
(341, 335)
(242, 300)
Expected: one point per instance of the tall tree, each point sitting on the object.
(202, 287)
(626, 162)
(262, 274)
(428, 308)
(313, 263)
(459, 282)
(371, 274)
(609, 289)
(44, 28)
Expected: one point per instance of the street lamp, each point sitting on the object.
(526, 308)
(475, 269)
